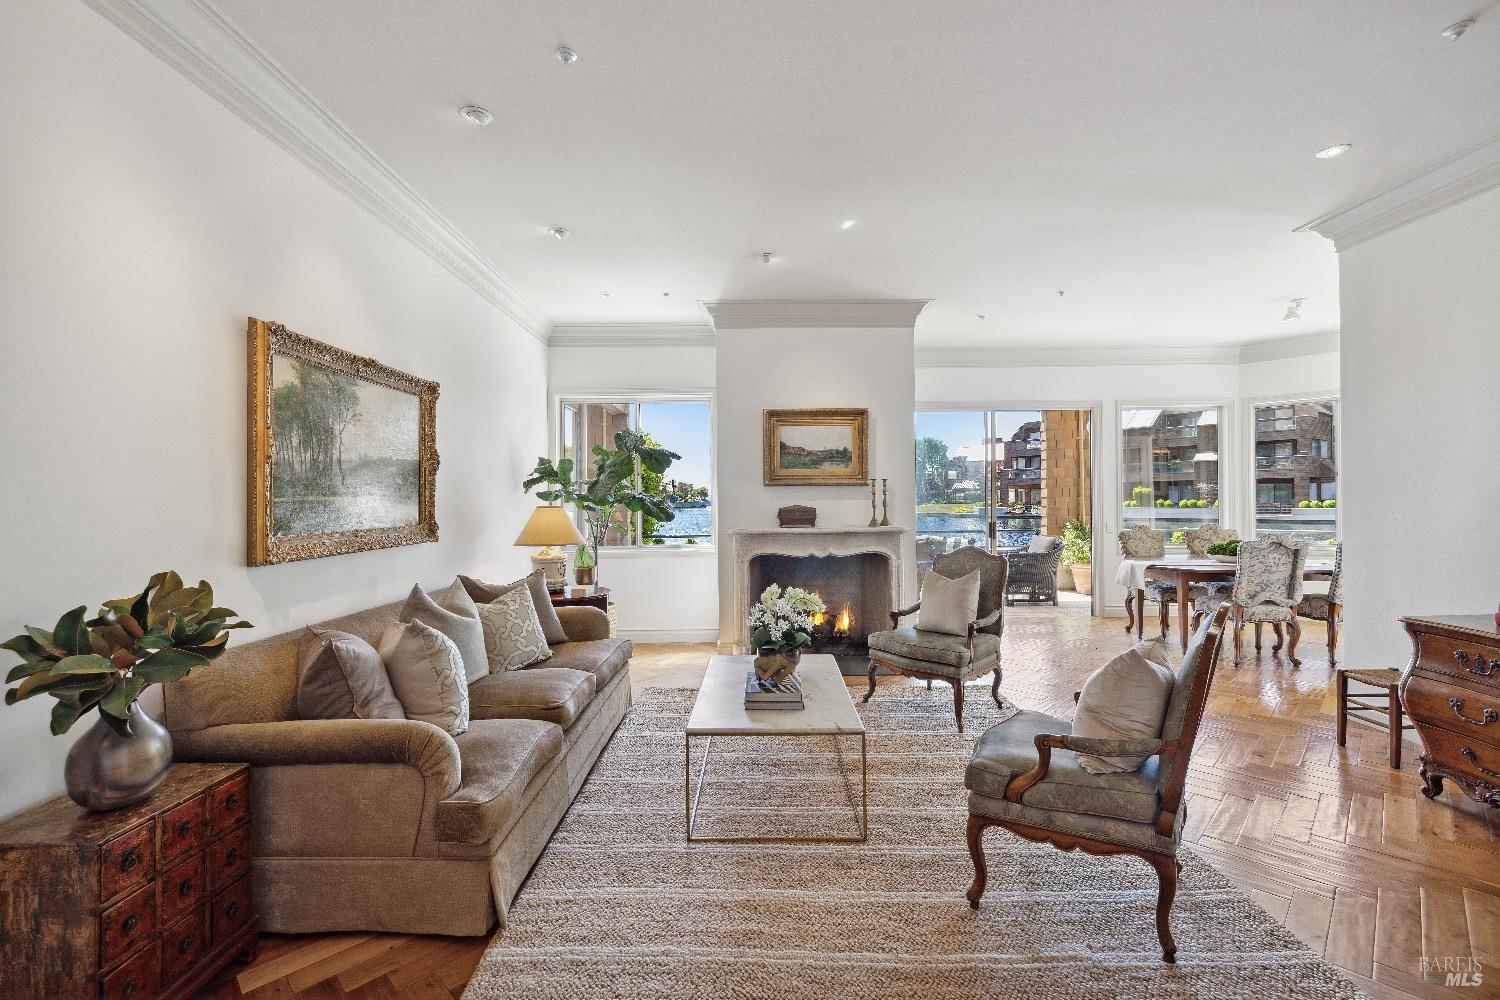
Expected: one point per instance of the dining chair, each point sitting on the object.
(1141, 542)
(1328, 607)
(1267, 588)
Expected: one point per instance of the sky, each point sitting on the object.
(684, 428)
(967, 427)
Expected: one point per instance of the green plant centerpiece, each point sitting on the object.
(615, 485)
(106, 662)
(780, 625)
(1225, 551)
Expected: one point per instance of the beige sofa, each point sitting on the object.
(392, 824)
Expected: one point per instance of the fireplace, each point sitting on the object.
(856, 589)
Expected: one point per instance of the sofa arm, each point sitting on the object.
(417, 744)
(583, 624)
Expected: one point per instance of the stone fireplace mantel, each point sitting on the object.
(748, 543)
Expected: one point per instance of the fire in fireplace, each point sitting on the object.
(855, 588)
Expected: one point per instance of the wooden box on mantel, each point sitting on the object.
(797, 516)
(143, 902)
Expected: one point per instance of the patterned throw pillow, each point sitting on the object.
(483, 593)
(428, 675)
(451, 612)
(512, 635)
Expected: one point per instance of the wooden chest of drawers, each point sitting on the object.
(144, 902)
(1451, 691)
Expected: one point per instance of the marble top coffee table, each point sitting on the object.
(720, 711)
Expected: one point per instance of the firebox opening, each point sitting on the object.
(856, 590)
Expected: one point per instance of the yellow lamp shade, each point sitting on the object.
(549, 525)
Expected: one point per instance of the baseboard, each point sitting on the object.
(669, 634)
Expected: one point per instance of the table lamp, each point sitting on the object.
(549, 526)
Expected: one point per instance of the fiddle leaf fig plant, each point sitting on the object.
(159, 635)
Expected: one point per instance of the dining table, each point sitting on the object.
(1185, 570)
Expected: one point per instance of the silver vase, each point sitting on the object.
(107, 771)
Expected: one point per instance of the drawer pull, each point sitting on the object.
(232, 910)
(1469, 756)
(231, 800)
(1489, 715)
(184, 944)
(130, 986)
(130, 859)
(131, 923)
(184, 828)
(232, 856)
(186, 888)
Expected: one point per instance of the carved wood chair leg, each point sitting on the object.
(1239, 634)
(1294, 628)
(1280, 637)
(974, 833)
(1393, 710)
(995, 689)
(1129, 612)
(958, 703)
(1341, 695)
(1166, 875)
(873, 667)
(1140, 613)
(1257, 636)
(929, 683)
(1333, 633)
(1162, 619)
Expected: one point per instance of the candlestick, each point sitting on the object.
(885, 503)
(873, 523)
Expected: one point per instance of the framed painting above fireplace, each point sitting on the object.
(827, 447)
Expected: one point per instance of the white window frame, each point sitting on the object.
(1254, 403)
(637, 550)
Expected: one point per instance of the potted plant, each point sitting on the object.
(613, 487)
(1078, 554)
(583, 566)
(1225, 551)
(780, 624)
(157, 636)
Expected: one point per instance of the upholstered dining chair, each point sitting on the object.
(936, 656)
(1267, 588)
(1328, 607)
(1016, 782)
(1141, 542)
(1198, 540)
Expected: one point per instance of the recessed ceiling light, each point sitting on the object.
(980, 316)
(1456, 31)
(1293, 311)
(558, 232)
(847, 224)
(666, 295)
(1332, 151)
(767, 258)
(604, 295)
(565, 55)
(476, 114)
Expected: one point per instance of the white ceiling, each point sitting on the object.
(1149, 160)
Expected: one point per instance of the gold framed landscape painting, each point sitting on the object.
(827, 447)
(343, 451)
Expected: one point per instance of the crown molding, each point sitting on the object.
(1429, 190)
(1281, 348)
(633, 335)
(765, 314)
(1073, 357)
(195, 38)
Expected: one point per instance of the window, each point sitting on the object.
(681, 425)
(1296, 479)
(1169, 467)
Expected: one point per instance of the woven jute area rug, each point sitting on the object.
(621, 906)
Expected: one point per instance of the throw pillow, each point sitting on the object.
(1126, 699)
(949, 606)
(451, 612)
(427, 673)
(1041, 543)
(340, 676)
(512, 635)
(541, 601)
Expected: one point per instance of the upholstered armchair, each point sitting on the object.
(1328, 607)
(1018, 783)
(1267, 588)
(953, 659)
(1033, 574)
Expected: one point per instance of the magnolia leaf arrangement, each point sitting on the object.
(105, 662)
(613, 486)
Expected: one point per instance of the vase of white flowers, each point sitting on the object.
(780, 625)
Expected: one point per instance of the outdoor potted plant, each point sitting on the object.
(1078, 554)
(780, 624)
(157, 636)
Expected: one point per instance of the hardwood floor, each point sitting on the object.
(1331, 841)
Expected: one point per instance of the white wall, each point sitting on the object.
(760, 369)
(1421, 467)
(660, 593)
(142, 224)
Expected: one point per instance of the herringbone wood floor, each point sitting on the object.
(1331, 841)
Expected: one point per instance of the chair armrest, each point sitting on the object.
(986, 621)
(583, 623)
(1046, 742)
(896, 616)
(417, 744)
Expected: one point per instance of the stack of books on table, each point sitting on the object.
(761, 695)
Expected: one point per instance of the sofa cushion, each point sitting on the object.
(512, 635)
(601, 657)
(498, 757)
(427, 675)
(547, 694)
(936, 647)
(541, 600)
(451, 612)
(1009, 748)
(340, 676)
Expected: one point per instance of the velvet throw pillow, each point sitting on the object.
(1126, 699)
(340, 676)
(949, 606)
(427, 674)
(541, 601)
(451, 612)
(512, 636)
